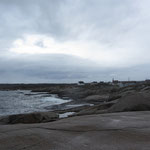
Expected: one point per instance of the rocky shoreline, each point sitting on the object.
(92, 102)
(88, 99)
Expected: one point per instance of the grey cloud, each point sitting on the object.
(50, 70)
(64, 19)
(116, 24)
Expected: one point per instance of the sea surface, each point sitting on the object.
(17, 102)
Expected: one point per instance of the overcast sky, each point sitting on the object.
(71, 40)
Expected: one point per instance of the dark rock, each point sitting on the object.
(113, 97)
(37, 117)
(95, 109)
(96, 98)
(133, 102)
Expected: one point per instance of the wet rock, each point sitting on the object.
(37, 117)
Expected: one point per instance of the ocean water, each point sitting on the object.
(17, 102)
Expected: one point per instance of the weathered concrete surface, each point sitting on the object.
(117, 131)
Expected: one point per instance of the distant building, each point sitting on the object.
(128, 83)
(115, 81)
(123, 83)
(147, 81)
(94, 83)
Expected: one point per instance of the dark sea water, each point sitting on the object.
(17, 102)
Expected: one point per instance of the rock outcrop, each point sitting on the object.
(138, 101)
(37, 117)
(96, 99)
(97, 109)
(116, 131)
(132, 102)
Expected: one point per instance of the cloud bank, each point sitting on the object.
(70, 40)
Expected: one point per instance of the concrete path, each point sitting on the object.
(117, 131)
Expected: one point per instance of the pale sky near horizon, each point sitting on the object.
(71, 40)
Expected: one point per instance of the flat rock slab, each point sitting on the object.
(115, 131)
